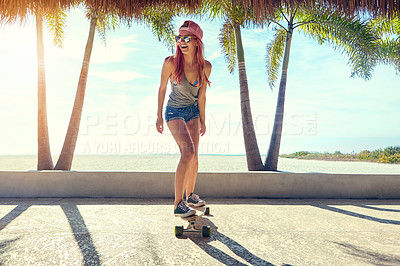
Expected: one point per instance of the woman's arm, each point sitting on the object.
(165, 74)
(202, 100)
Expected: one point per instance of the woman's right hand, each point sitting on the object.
(160, 124)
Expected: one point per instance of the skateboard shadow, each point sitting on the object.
(221, 256)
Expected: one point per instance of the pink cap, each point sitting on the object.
(193, 28)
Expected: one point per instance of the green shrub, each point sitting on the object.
(301, 153)
(388, 155)
(364, 155)
(395, 158)
(389, 151)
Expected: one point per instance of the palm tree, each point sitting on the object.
(56, 22)
(45, 161)
(159, 19)
(348, 35)
(102, 22)
(53, 14)
(230, 39)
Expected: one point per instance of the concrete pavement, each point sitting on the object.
(129, 231)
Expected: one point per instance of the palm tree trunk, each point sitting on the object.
(271, 162)
(45, 161)
(67, 153)
(254, 162)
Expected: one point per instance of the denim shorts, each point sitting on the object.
(185, 113)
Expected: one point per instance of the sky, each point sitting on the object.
(325, 109)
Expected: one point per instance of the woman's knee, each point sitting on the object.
(189, 154)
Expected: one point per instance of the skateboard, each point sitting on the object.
(205, 230)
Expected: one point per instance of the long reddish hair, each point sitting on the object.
(198, 58)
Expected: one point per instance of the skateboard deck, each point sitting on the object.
(205, 230)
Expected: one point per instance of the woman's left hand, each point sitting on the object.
(160, 124)
(202, 128)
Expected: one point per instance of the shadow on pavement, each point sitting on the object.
(377, 208)
(12, 215)
(4, 245)
(76, 222)
(354, 214)
(370, 256)
(81, 234)
(221, 256)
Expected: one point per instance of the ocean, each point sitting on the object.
(207, 163)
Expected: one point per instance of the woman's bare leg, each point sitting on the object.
(194, 130)
(181, 134)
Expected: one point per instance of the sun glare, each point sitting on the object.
(18, 49)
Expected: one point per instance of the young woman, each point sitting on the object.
(185, 112)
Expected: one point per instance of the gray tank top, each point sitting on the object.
(183, 94)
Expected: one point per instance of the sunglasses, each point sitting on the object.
(186, 39)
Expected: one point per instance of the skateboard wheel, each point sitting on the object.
(178, 230)
(206, 231)
(207, 211)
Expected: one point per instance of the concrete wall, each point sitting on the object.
(161, 184)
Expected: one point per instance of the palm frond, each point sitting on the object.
(384, 26)
(389, 42)
(214, 8)
(347, 35)
(160, 20)
(56, 22)
(389, 53)
(275, 50)
(106, 22)
(227, 42)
